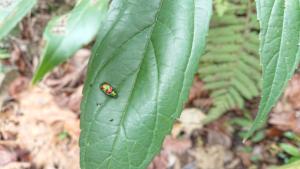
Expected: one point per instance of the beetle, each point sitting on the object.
(108, 89)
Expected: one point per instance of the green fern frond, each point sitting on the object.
(230, 67)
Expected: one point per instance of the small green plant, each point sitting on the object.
(245, 124)
(292, 136)
(294, 165)
(63, 135)
(290, 153)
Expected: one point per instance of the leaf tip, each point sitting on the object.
(250, 132)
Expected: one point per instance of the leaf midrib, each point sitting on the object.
(277, 63)
(93, 79)
(137, 75)
(135, 80)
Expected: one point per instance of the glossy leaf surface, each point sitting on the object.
(279, 50)
(148, 51)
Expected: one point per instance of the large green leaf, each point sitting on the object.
(280, 32)
(66, 34)
(149, 51)
(11, 12)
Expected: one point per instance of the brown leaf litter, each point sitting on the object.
(38, 126)
(286, 114)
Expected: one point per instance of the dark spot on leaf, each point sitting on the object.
(111, 120)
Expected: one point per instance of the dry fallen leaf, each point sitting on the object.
(41, 115)
(6, 156)
(18, 86)
(292, 92)
(176, 146)
(16, 57)
(171, 149)
(75, 99)
(160, 161)
(197, 90)
(80, 57)
(7, 77)
(286, 121)
(286, 114)
(189, 120)
(38, 127)
(215, 137)
(17, 165)
(210, 157)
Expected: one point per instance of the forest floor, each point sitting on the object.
(39, 125)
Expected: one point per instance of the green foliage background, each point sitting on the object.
(230, 67)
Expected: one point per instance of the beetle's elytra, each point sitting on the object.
(107, 89)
